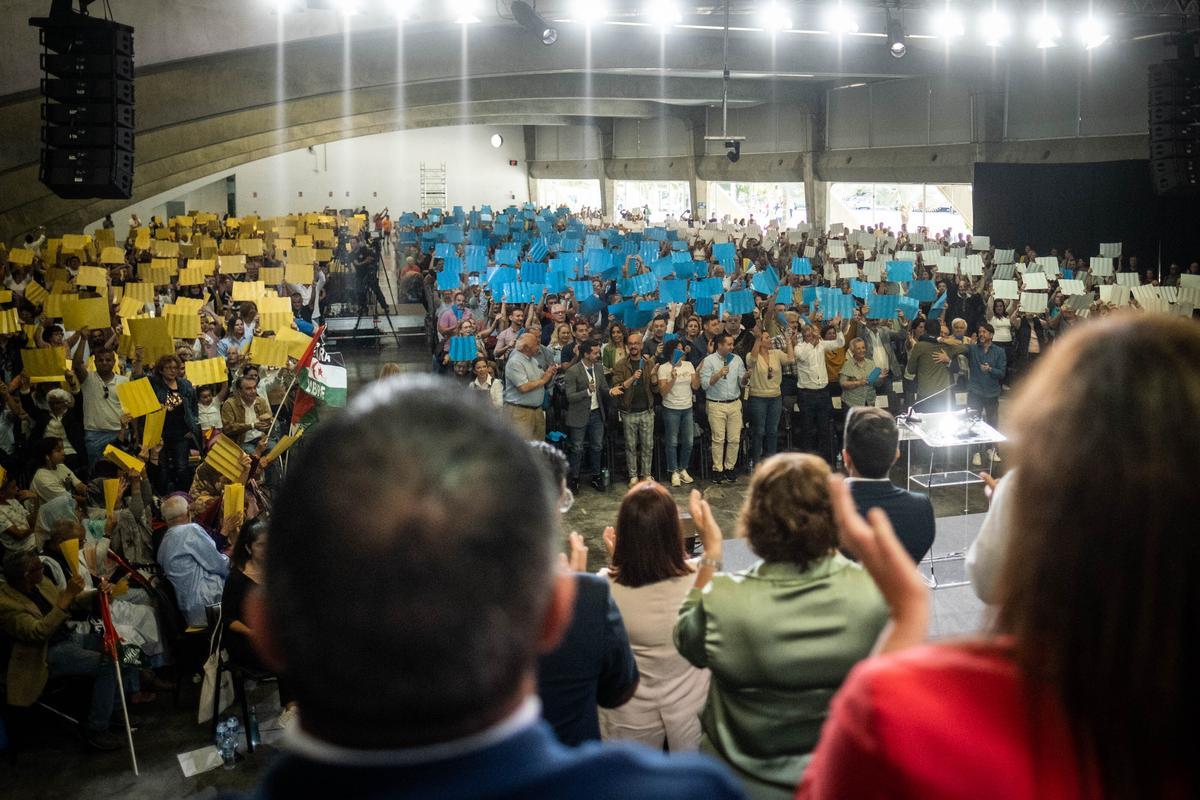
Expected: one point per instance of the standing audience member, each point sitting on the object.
(765, 365)
(723, 376)
(677, 382)
(633, 382)
(988, 364)
(181, 428)
(587, 391)
(525, 383)
(812, 389)
(246, 417)
(102, 413)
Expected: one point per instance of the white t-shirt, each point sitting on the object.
(680, 396)
(1003, 326)
(101, 413)
(48, 484)
(210, 416)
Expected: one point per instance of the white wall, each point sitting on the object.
(385, 170)
(377, 171)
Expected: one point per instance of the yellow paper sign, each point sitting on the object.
(282, 446)
(44, 364)
(6, 296)
(91, 312)
(207, 266)
(206, 372)
(36, 293)
(74, 241)
(159, 276)
(141, 239)
(191, 305)
(252, 247)
(233, 502)
(165, 249)
(151, 335)
(228, 459)
(130, 307)
(296, 341)
(142, 292)
(123, 460)
(232, 264)
(152, 429)
(248, 291)
(111, 487)
(70, 551)
(182, 324)
(9, 321)
(299, 273)
(271, 276)
(191, 276)
(20, 256)
(92, 276)
(268, 352)
(137, 397)
(112, 255)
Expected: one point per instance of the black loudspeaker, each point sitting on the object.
(87, 104)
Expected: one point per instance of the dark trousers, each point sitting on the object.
(815, 409)
(369, 286)
(589, 437)
(173, 462)
(764, 426)
(988, 408)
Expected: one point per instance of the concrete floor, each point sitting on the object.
(56, 765)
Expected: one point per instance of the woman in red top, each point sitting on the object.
(1087, 686)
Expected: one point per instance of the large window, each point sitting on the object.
(935, 207)
(574, 194)
(763, 201)
(655, 200)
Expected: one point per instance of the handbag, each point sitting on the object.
(208, 688)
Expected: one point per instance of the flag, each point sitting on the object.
(317, 381)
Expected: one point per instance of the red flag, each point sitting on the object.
(306, 359)
(305, 402)
(111, 639)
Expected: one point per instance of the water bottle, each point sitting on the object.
(235, 733)
(226, 745)
(252, 729)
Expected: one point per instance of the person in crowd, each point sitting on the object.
(181, 428)
(33, 616)
(246, 574)
(16, 528)
(593, 665)
(1030, 339)
(871, 447)
(102, 414)
(52, 476)
(507, 338)
(633, 385)
(677, 383)
(1070, 684)
(189, 558)
(209, 400)
(486, 383)
(246, 417)
(131, 534)
(525, 382)
(587, 392)
(62, 420)
(765, 367)
(781, 636)
(929, 361)
(650, 576)
(723, 377)
(434, 692)
(812, 389)
(1002, 323)
(859, 376)
(614, 348)
(988, 365)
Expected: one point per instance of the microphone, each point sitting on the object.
(909, 413)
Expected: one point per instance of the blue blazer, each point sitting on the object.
(530, 764)
(911, 513)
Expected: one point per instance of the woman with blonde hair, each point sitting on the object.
(780, 636)
(388, 369)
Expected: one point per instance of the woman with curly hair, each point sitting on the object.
(779, 637)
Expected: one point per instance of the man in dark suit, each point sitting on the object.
(586, 390)
(871, 448)
(420, 681)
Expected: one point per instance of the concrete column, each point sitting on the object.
(698, 196)
(816, 195)
(608, 202)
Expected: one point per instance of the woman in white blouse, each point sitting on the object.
(486, 382)
(650, 578)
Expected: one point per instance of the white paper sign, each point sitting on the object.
(1128, 279)
(947, 265)
(1004, 256)
(836, 248)
(911, 256)
(972, 265)
(874, 271)
(1049, 265)
(1100, 266)
(1189, 281)
(1110, 249)
(1114, 293)
(810, 251)
(1071, 286)
(1034, 281)
(1004, 272)
(848, 270)
(981, 243)
(1005, 290)
(1034, 302)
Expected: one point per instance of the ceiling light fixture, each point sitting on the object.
(774, 17)
(840, 19)
(1046, 31)
(1093, 33)
(897, 47)
(995, 28)
(466, 12)
(535, 23)
(663, 14)
(589, 11)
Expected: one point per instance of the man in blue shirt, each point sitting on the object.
(525, 387)
(190, 560)
(420, 682)
(722, 377)
(987, 367)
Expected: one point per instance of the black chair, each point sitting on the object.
(189, 645)
(239, 674)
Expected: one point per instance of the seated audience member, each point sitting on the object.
(650, 577)
(62, 420)
(872, 445)
(781, 636)
(1085, 686)
(431, 694)
(53, 477)
(131, 533)
(249, 560)
(33, 613)
(16, 529)
(246, 416)
(190, 559)
(593, 664)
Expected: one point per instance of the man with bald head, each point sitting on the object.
(525, 387)
(424, 684)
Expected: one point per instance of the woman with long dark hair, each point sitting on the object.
(181, 428)
(650, 576)
(1086, 684)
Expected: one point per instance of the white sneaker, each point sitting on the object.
(995, 455)
(976, 461)
(675, 479)
(289, 717)
(683, 476)
(633, 481)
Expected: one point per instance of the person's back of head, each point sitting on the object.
(1099, 590)
(649, 537)
(871, 441)
(175, 510)
(409, 581)
(787, 515)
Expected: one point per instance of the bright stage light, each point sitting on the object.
(948, 24)
(401, 9)
(663, 14)
(1046, 31)
(895, 35)
(774, 17)
(347, 8)
(589, 11)
(995, 28)
(465, 12)
(1093, 32)
(840, 19)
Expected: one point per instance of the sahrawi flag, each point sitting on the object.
(318, 381)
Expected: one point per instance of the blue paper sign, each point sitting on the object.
(556, 281)
(785, 295)
(873, 375)
(538, 250)
(801, 266)
(448, 281)
(910, 306)
(706, 288)
(883, 306)
(533, 272)
(725, 254)
(673, 291)
(765, 282)
(900, 271)
(663, 268)
(739, 302)
(507, 257)
(677, 356)
(922, 291)
(463, 348)
(581, 289)
(443, 249)
(591, 305)
(861, 289)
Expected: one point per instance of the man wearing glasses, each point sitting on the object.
(102, 412)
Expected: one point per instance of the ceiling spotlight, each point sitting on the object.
(589, 11)
(948, 24)
(733, 150)
(895, 36)
(497, 140)
(774, 17)
(1046, 32)
(465, 12)
(663, 14)
(1093, 33)
(401, 9)
(533, 22)
(347, 8)
(840, 19)
(995, 28)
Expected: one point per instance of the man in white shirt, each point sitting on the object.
(812, 389)
(103, 417)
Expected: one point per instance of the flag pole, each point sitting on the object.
(111, 644)
(301, 364)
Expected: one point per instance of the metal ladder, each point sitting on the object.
(433, 186)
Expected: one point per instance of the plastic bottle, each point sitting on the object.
(252, 729)
(226, 745)
(235, 733)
